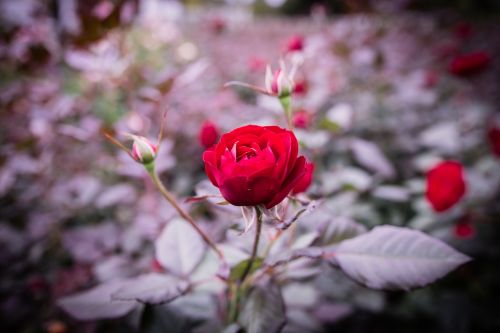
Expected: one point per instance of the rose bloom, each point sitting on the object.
(445, 185)
(470, 63)
(208, 134)
(255, 165)
(306, 180)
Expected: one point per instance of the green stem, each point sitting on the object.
(237, 289)
(255, 245)
(171, 199)
(286, 103)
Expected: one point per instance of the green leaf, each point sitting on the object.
(263, 310)
(238, 270)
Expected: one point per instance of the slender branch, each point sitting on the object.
(171, 199)
(255, 245)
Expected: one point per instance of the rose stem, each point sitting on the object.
(286, 102)
(255, 245)
(236, 291)
(171, 199)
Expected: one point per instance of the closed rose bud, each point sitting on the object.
(301, 119)
(208, 134)
(255, 165)
(143, 151)
(445, 185)
(295, 43)
(306, 180)
(281, 82)
(470, 63)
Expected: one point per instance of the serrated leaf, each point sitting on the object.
(96, 303)
(152, 288)
(391, 257)
(179, 248)
(238, 270)
(263, 310)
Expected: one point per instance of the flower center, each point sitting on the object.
(245, 153)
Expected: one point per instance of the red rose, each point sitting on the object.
(470, 63)
(494, 138)
(254, 165)
(208, 134)
(305, 181)
(445, 185)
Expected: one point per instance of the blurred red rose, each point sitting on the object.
(208, 134)
(306, 180)
(295, 43)
(470, 63)
(464, 230)
(445, 185)
(494, 138)
(300, 87)
(301, 119)
(255, 165)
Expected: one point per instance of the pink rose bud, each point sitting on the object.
(208, 134)
(295, 43)
(143, 151)
(280, 83)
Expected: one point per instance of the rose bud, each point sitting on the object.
(143, 151)
(208, 134)
(281, 82)
(255, 165)
(494, 139)
(306, 179)
(295, 43)
(445, 185)
(301, 119)
(470, 63)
